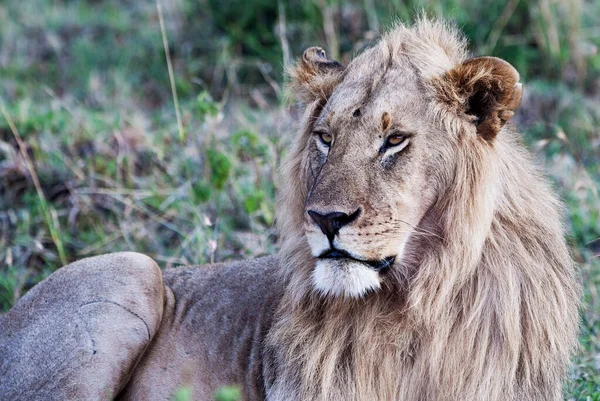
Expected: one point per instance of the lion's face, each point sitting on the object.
(370, 181)
(380, 141)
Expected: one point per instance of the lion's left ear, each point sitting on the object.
(486, 88)
(315, 77)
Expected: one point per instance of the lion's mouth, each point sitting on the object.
(378, 265)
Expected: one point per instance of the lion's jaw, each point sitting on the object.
(344, 277)
(356, 274)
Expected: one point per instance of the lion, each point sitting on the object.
(422, 258)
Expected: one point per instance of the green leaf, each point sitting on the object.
(248, 144)
(206, 106)
(228, 393)
(220, 167)
(200, 192)
(183, 394)
(254, 201)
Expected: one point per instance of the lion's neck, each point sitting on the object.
(341, 349)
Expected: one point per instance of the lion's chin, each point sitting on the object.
(344, 277)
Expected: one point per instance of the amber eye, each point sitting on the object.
(394, 140)
(325, 138)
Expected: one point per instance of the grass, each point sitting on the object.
(88, 88)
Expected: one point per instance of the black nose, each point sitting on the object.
(331, 223)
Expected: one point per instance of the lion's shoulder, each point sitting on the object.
(240, 283)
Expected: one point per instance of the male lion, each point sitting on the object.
(422, 259)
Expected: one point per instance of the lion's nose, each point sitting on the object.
(331, 223)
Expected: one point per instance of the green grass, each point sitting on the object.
(87, 86)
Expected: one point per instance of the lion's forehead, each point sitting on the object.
(365, 99)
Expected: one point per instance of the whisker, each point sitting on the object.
(419, 229)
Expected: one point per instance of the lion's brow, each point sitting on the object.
(386, 120)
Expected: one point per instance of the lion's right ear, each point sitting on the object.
(485, 88)
(315, 77)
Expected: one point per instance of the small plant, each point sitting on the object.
(220, 168)
(205, 106)
(183, 394)
(228, 393)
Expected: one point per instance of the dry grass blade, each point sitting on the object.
(49, 213)
(163, 32)
(499, 26)
(282, 33)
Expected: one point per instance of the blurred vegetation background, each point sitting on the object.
(97, 154)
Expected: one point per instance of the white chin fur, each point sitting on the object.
(350, 279)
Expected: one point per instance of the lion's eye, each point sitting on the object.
(395, 143)
(394, 140)
(325, 138)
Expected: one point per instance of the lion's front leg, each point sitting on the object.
(79, 334)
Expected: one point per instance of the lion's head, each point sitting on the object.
(382, 143)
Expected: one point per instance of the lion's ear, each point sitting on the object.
(314, 76)
(486, 88)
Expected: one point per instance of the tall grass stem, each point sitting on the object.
(163, 32)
